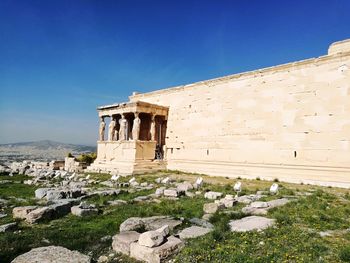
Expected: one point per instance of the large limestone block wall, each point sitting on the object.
(290, 122)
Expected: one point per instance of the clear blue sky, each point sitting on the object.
(60, 59)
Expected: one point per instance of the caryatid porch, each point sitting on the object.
(134, 138)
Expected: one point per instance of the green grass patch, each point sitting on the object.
(295, 237)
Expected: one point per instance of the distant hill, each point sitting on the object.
(45, 150)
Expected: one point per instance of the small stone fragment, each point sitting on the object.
(8, 227)
(212, 195)
(151, 239)
(211, 208)
(171, 193)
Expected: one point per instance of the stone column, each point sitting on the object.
(111, 128)
(153, 128)
(102, 129)
(123, 128)
(136, 127)
(116, 130)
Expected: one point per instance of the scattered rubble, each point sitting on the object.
(211, 208)
(21, 212)
(84, 209)
(261, 208)
(212, 195)
(172, 192)
(247, 199)
(228, 201)
(8, 227)
(148, 223)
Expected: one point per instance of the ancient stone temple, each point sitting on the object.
(290, 122)
(135, 138)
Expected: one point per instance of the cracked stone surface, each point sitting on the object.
(251, 223)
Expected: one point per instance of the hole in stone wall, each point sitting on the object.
(295, 154)
(171, 150)
(207, 152)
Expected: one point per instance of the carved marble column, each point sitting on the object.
(111, 128)
(116, 130)
(153, 128)
(123, 128)
(102, 129)
(136, 127)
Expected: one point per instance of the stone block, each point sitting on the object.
(39, 214)
(41, 192)
(156, 254)
(184, 187)
(151, 239)
(121, 242)
(78, 211)
(254, 211)
(8, 227)
(52, 254)
(251, 223)
(259, 205)
(194, 231)
(278, 202)
(201, 222)
(211, 208)
(22, 211)
(171, 193)
(212, 195)
(148, 223)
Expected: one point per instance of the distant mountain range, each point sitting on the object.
(45, 150)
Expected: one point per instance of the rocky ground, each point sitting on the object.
(168, 217)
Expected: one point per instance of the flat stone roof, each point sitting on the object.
(137, 106)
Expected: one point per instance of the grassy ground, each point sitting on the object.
(294, 239)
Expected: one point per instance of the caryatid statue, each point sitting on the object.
(111, 129)
(136, 127)
(102, 129)
(153, 128)
(122, 130)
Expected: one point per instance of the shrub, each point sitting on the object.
(344, 254)
(87, 158)
(70, 155)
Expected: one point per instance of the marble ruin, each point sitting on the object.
(136, 138)
(290, 122)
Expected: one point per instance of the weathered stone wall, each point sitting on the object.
(290, 122)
